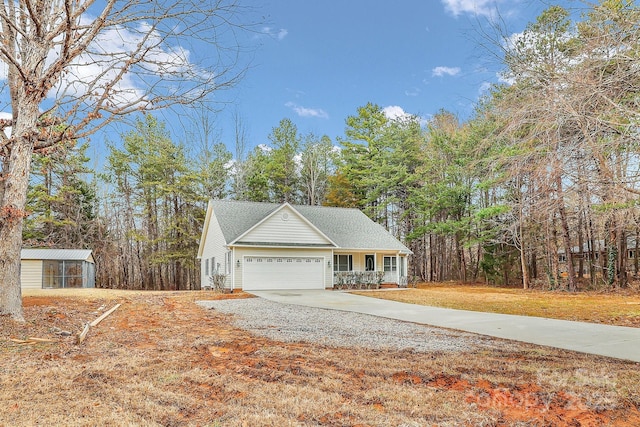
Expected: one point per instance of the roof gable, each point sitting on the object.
(285, 225)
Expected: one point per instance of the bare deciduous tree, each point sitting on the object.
(71, 67)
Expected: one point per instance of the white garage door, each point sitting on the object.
(261, 273)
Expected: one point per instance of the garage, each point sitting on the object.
(261, 273)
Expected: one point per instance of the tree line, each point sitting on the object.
(538, 187)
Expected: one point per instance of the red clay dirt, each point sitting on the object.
(213, 370)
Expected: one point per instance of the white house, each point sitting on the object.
(57, 268)
(282, 246)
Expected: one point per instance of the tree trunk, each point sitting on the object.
(581, 250)
(12, 213)
(523, 256)
(635, 253)
(622, 260)
(566, 238)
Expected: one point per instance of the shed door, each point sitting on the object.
(260, 273)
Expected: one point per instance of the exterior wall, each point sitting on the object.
(277, 229)
(31, 274)
(240, 252)
(215, 247)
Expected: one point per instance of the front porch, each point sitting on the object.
(362, 270)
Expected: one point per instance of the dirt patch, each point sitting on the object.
(162, 360)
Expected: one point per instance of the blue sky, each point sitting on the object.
(316, 62)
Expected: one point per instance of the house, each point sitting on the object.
(281, 246)
(57, 268)
(593, 256)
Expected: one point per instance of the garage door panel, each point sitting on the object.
(260, 273)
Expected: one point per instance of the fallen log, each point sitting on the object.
(104, 315)
(82, 335)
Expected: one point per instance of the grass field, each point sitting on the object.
(613, 308)
(161, 360)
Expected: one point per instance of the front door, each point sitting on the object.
(369, 263)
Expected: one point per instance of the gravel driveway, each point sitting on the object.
(293, 323)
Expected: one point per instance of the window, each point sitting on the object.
(562, 258)
(206, 267)
(72, 274)
(228, 263)
(214, 268)
(62, 274)
(390, 263)
(342, 263)
(632, 253)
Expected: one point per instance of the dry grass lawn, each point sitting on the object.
(161, 360)
(608, 308)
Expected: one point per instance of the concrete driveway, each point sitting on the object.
(611, 341)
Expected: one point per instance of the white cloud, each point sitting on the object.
(488, 8)
(412, 92)
(397, 113)
(109, 53)
(484, 88)
(307, 112)
(394, 112)
(105, 58)
(276, 34)
(441, 71)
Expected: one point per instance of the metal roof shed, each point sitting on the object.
(57, 268)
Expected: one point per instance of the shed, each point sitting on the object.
(57, 268)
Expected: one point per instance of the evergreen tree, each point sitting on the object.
(282, 169)
(61, 201)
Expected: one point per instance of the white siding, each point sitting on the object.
(31, 274)
(285, 226)
(327, 254)
(215, 247)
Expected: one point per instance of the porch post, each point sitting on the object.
(332, 269)
(398, 269)
(233, 269)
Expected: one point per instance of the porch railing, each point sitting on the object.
(357, 279)
(366, 279)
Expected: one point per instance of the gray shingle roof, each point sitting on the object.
(348, 228)
(57, 254)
